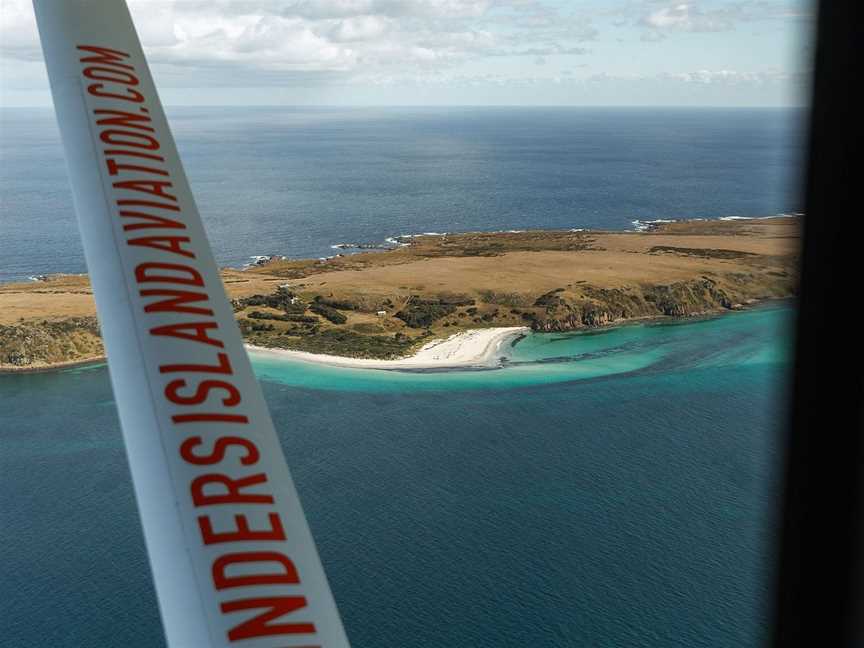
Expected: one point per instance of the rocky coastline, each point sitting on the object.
(385, 305)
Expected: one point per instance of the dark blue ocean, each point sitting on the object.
(295, 181)
(606, 490)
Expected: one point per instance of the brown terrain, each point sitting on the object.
(382, 304)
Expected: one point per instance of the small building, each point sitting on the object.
(382, 313)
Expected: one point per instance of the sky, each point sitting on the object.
(451, 52)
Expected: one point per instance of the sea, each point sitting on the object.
(616, 488)
(297, 181)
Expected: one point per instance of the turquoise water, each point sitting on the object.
(544, 359)
(613, 489)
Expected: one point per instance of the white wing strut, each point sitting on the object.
(232, 557)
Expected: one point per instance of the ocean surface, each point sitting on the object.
(296, 181)
(614, 489)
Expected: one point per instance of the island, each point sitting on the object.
(446, 299)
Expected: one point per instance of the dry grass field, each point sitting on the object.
(383, 303)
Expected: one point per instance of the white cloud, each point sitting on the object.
(702, 16)
(327, 45)
(253, 40)
(688, 16)
(733, 77)
(360, 28)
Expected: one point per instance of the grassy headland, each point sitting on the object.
(385, 304)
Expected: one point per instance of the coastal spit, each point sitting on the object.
(391, 304)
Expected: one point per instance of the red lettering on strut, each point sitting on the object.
(219, 450)
(193, 277)
(199, 335)
(224, 367)
(202, 392)
(287, 574)
(108, 74)
(138, 154)
(130, 139)
(105, 56)
(154, 187)
(136, 140)
(164, 243)
(260, 626)
(114, 168)
(123, 118)
(243, 532)
(176, 302)
(233, 488)
(146, 203)
(155, 222)
(133, 95)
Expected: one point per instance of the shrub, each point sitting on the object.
(504, 298)
(345, 342)
(341, 304)
(260, 315)
(329, 313)
(421, 313)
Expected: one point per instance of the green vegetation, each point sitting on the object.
(705, 253)
(341, 304)
(248, 326)
(422, 313)
(33, 343)
(505, 298)
(550, 299)
(260, 315)
(343, 342)
(328, 313)
(281, 299)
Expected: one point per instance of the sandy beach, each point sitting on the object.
(474, 348)
(383, 304)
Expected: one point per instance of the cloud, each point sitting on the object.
(298, 41)
(733, 77)
(360, 28)
(688, 16)
(345, 47)
(706, 77)
(702, 16)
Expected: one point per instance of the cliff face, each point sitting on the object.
(35, 344)
(589, 307)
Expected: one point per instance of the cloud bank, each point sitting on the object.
(351, 44)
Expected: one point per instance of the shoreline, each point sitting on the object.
(470, 349)
(396, 242)
(54, 366)
(474, 348)
(487, 287)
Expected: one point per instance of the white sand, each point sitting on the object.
(475, 348)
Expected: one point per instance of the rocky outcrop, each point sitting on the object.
(42, 343)
(590, 307)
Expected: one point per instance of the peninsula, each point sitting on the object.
(423, 304)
